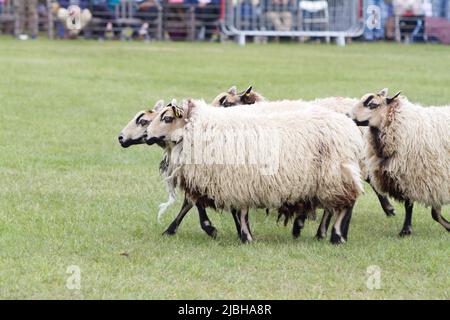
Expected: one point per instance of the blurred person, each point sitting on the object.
(62, 9)
(208, 13)
(105, 11)
(26, 18)
(411, 13)
(2, 2)
(147, 11)
(279, 14)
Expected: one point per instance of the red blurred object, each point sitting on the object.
(438, 28)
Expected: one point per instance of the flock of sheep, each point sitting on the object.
(242, 151)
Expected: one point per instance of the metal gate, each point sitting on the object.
(293, 18)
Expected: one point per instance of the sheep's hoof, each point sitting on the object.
(210, 231)
(390, 213)
(320, 236)
(405, 232)
(336, 239)
(169, 232)
(246, 238)
(296, 232)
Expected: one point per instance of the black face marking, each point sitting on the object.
(144, 122)
(162, 115)
(168, 119)
(222, 100)
(366, 102)
(139, 117)
(361, 123)
(227, 104)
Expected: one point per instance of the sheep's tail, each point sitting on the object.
(170, 185)
(353, 174)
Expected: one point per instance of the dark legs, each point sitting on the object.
(388, 208)
(245, 234)
(407, 224)
(324, 224)
(237, 223)
(337, 235)
(346, 222)
(205, 223)
(299, 222)
(172, 229)
(436, 214)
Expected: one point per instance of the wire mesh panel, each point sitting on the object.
(319, 18)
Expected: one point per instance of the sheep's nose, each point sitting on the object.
(121, 137)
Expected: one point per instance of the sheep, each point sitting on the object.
(338, 104)
(317, 158)
(134, 134)
(408, 152)
(232, 98)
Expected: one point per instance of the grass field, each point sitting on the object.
(70, 195)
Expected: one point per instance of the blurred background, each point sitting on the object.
(260, 21)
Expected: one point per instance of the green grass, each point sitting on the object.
(69, 195)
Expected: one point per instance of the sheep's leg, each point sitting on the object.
(172, 229)
(337, 235)
(436, 214)
(299, 223)
(246, 235)
(205, 223)
(324, 224)
(388, 208)
(235, 215)
(346, 222)
(407, 224)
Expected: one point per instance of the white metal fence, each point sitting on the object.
(292, 18)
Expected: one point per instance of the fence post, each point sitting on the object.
(241, 39)
(50, 30)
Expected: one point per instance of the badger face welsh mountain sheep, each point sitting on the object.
(232, 98)
(407, 152)
(134, 131)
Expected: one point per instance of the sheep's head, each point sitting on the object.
(372, 107)
(167, 123)
(134, 132)
(232, 98)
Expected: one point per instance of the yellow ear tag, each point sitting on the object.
(177, 113)
(247, 94)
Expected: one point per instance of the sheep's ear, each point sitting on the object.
(158, 105)
(247, 92)
(232, 90)
(383, 93)
(390, 100)
(177, 111)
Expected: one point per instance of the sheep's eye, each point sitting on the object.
(373, 105)
(144, 122)
(168, 119)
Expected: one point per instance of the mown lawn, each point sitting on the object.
(70, 195)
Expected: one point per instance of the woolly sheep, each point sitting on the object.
(408, 151)
(317, 158)
(134, 134)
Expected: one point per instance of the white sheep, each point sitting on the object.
(408, 151)
(316, 153)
